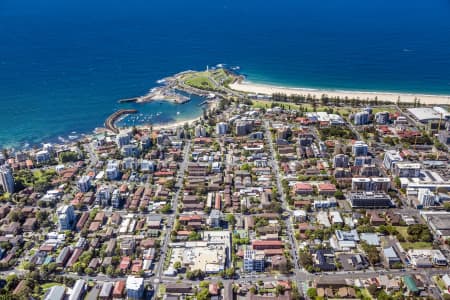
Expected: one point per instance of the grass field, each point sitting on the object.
(416, 245)
(205, 80)
(200, 81)
(365, 294)
(439, 282)
(343, 111)
(48, 285)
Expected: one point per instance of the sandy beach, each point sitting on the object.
(383, 96)
(176, 124)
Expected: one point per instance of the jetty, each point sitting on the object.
(125, 100)
(110, 121)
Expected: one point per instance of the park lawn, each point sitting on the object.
(403, 230)
(268, 104)
(342, 111)
(417, 245)
(382, 109)
(200, 81)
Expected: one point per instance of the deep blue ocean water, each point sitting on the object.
(64, 64)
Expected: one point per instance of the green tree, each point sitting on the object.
(312, 293)
(167, 208)
(177, 265)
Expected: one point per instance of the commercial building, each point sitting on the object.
(426, 258)
(6, 179)
(344, 240)
(211, 255)
(439, 223)
(428, 114)
(135, 287)
(66, 217)
(407, 169)
(254, 260)
(370, 200)
(391, 257)
(427, 180)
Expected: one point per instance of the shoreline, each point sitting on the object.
(268, 89)
(175, 124)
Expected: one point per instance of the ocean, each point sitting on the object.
(64, 64)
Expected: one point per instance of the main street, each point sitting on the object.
(159, 267)
(290, 232)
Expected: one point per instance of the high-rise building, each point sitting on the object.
(199, 131)
(7, 179)
(135, 287)
(84, 184)
(122, 139)
(66, 217)
(221, 128)
(243, 127)
(254, 260)
(360, 148)
(116, 199)
(391, 158)
(361, 118)
(362, 160)
(103, 196)
(382, 117)
(370, 200)
(426, 197)
(340, 161)
(112, 170)
(407, 170)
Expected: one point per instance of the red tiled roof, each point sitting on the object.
(303, 186)
(327, 187)
(267, 243)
